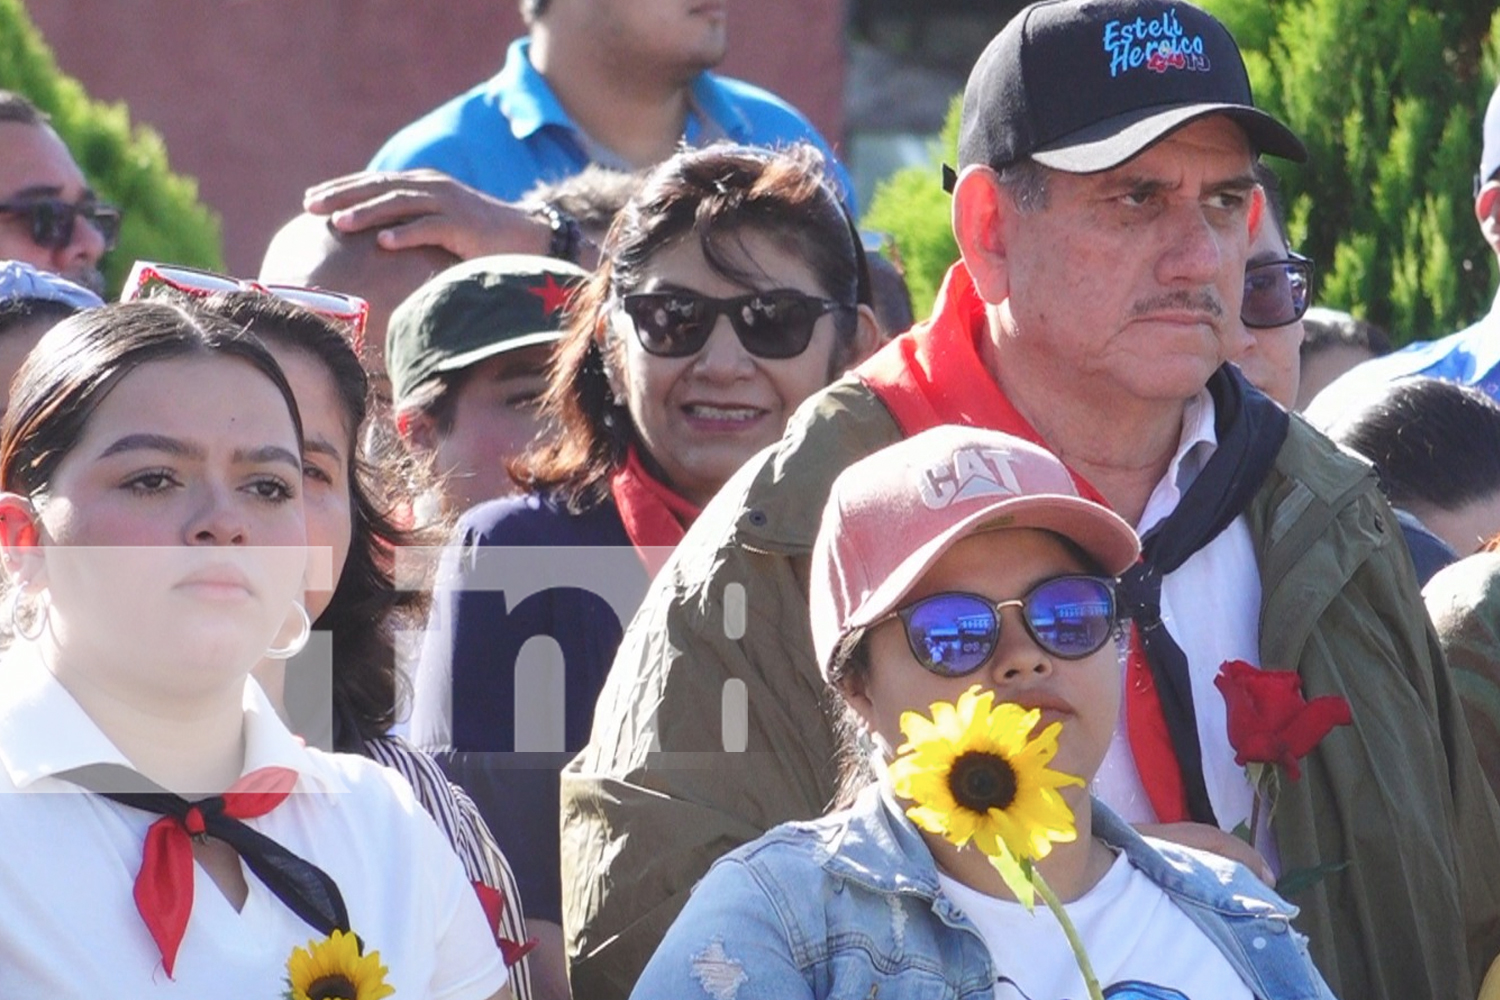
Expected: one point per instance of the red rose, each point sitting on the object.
(1269, 721)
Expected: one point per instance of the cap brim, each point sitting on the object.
(1097, 530)
(478, 354)
(1107, 144)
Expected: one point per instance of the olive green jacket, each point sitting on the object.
(720, 656)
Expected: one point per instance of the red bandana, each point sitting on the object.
(655, 518)
(164, 886)
(934, 375)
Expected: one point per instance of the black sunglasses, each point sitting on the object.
(774, 324)
(52, 219)
(953, 634)
(1277, 292)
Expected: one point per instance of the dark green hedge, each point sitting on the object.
(164, 220)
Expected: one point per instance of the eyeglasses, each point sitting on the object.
(774, 324)
(52, 219)
(146, 278)
(1277, 292)
(953, 634)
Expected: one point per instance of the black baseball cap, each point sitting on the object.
(1084, 85)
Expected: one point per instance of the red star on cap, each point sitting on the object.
(553, 295)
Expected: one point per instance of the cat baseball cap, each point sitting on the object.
(1084, 85)
(892, 515)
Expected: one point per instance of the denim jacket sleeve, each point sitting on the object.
(729, 943)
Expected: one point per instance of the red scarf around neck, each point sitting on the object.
(934, 375)
(655, 517)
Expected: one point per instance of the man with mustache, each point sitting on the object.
(49, 217)
(1105, 205)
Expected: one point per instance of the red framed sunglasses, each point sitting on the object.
(147, 277)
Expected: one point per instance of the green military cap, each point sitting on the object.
(474, 311)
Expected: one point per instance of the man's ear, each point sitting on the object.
(21, 542)
(1487, 211)
(980, 207)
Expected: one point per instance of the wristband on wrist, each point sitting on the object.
(567, 235)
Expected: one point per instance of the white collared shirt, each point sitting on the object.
(1211, 607)
(69, 926)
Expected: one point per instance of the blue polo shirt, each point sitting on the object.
(510, 132)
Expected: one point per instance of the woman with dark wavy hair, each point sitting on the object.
(352, 503)
(731, 287)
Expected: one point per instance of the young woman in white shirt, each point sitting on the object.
(153, 536)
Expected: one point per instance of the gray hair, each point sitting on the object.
(1025, 180)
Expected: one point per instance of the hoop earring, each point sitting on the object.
(299, 642)
(38, 626)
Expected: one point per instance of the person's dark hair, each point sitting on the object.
(1327, 328)
(366, 610)
(21, 312)
(713, 194)
(893, 310)
(533, 9)
(437, 399)
(593, 196)
(17, 108)
(1432, 441)
(76, 364)
(1271, 184)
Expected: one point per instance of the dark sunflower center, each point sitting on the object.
(982, 781)
(334, 987)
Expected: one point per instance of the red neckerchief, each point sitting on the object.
(933, 375)
(164, 885)
(655, 518)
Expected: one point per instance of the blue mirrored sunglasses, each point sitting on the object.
(953, 633)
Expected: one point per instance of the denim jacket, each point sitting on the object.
(848, 906)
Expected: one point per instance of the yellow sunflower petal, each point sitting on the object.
(337, 957)
(918, 729)
(1036, 815)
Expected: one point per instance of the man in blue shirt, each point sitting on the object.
(1470, 356)
(620, 83)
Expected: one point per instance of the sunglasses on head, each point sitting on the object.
(147, 277)
(953, 634)
(1277, 292)
(774, 324)
(51, 219)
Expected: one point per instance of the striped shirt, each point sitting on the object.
(459, 819)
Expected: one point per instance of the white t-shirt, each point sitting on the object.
(69, 925)
(1137, 940)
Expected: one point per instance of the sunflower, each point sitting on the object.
(975, 775)
(333, 969)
